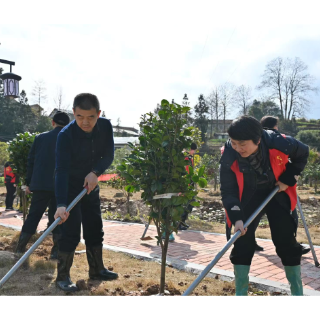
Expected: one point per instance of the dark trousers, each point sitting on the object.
(87, 212)
(39, 203)
(282, 228)
(184, 216)
(10, 194)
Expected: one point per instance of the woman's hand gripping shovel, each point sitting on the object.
(37, 243)
(196, 282)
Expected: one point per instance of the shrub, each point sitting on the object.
(310, 137)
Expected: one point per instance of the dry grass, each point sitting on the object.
(136, 277)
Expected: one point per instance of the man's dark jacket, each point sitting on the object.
(271, 139)
(41, 161)
(78, 153)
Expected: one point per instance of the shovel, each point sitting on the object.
(37, 243)
(308, 234)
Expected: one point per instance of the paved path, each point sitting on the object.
(196, 250)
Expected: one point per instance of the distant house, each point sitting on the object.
(219, 127)
(36, 109)
(125, 131)
(120, 142)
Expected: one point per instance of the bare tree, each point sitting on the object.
(243, 99)
(213, 102)
(290, 84)
(39, 91)
(227, 98)
(59, 99)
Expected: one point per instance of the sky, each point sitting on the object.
(133, 54)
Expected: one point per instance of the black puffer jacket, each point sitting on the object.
(271, 139)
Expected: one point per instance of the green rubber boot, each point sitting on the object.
(241, 273)
(171, 236)
(293, 275)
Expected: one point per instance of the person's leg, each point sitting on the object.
(56, 232)
(8, 194)
(93, 236)
(288, 249)
(243, 250)
(39, 202)
(14, 189)
(70, 238)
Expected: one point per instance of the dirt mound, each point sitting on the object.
(6, 258)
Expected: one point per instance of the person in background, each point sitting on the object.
(11, 181)
(182, 224)
(39, 181)
(189, 158)
(272, 123)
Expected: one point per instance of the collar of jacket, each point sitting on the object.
(270, 140)
(84, 135)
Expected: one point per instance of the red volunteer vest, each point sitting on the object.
(278, 161)
(8, 172)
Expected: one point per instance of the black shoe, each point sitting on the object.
(305, 250)
(54, 251)
(23, 241)
(97, 271)
(258, 248)
(63, 280)
(181, 227)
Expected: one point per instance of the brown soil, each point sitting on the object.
(136, 277)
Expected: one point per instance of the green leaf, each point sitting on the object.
(195, 204)
(165, 143)
(202, 182)
(187, 132)
(165, 103)
(195, 178)
(201, 171)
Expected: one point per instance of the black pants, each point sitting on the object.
(87, 212)
(184, 216)
(282, 228)
(39, 203)
(10, 194)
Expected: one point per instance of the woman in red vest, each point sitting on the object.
(253, 162)
(10, 181)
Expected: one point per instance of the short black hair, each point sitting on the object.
(86, 101)
(61, 118)
(245, 128)
(269, 122)
(193, 146)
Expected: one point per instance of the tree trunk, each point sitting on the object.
(164, 257)
(215, 184)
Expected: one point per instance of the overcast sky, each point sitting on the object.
(132, 54)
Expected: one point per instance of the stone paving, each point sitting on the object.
(195, 248)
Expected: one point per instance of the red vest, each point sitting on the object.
(8, 172)
(278, 161)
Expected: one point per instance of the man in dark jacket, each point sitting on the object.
(253, 162)
(272, 123)
(85, 149)
(39, 181)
